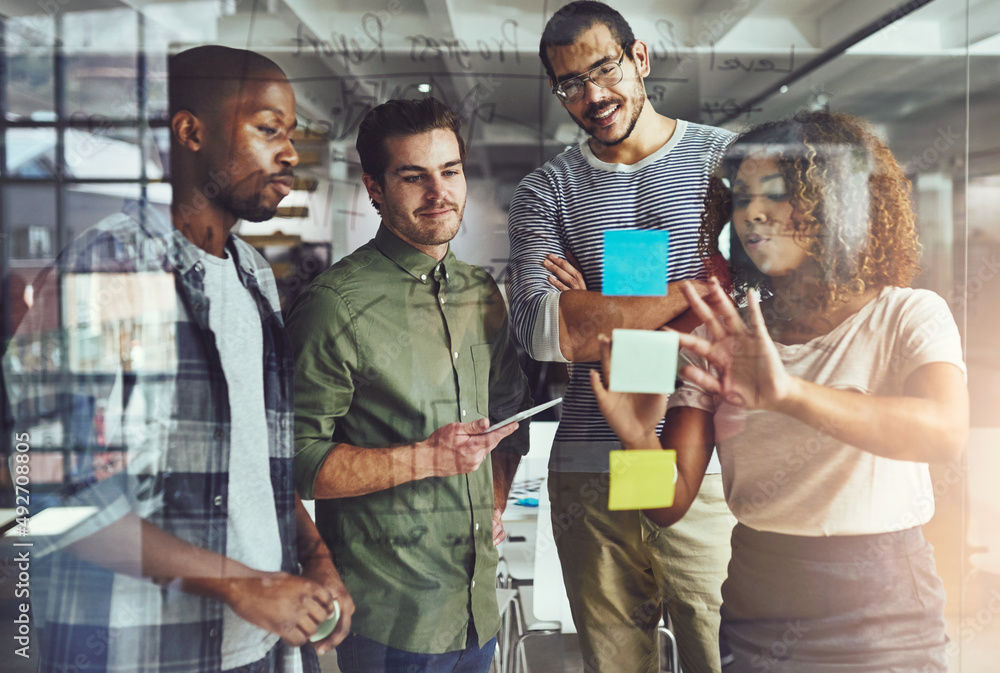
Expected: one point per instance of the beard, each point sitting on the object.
(245, 199)
(406, 224)
(250, 208)
(637, 100)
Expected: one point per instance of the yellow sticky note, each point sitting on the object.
(642, 479)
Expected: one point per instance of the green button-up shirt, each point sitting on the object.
(390, 345)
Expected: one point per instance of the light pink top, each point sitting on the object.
(783, 476)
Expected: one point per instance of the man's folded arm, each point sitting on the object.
(563, 326)
(585, 314)
(534, 303)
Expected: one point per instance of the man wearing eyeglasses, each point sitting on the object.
(637, 170)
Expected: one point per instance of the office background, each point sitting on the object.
(83, 129)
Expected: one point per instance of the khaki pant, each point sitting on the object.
(623, 573)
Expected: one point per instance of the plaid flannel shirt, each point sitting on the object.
(170, 419)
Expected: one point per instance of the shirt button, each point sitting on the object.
(477, 526)
(442, 300)
(423, 276)
(218, 501)
(463, 412)
(473, 584)
(456, 355)
(218, 433)
(212, 633)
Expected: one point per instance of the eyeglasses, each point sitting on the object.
(605, 75)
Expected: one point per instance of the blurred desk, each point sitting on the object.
(517, 552)
(516, 514)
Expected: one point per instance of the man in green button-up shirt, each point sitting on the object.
(403, 357)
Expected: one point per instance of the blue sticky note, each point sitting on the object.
(635, 263)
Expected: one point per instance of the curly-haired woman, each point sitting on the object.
(827, 395)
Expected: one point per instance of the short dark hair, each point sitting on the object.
(202, 76)
(571, 20)
(401, 118)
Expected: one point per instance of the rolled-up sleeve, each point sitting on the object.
(322, 331)
(533, 232)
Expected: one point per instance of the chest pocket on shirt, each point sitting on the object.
(481, 358)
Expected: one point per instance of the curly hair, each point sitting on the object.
(850, 199)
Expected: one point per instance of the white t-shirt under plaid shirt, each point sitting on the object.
(171, 421)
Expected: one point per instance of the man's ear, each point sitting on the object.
(373, 187)
(640, 54)
(187, 130)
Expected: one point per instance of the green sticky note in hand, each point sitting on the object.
(642, 479)
(643, 361)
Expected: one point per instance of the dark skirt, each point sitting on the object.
(855, 603)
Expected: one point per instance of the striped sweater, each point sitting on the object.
(567, 205)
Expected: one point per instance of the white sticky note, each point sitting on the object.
(643, 361)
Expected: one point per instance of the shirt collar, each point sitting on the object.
(184, 255)
(416, 263)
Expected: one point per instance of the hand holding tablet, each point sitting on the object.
(527, 413)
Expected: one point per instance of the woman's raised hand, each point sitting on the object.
(749, 372)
